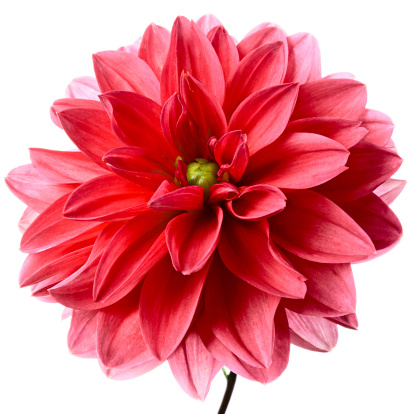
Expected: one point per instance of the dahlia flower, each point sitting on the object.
(218, 196)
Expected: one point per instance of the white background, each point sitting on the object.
(44, 44)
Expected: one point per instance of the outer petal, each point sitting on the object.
(316, 229)
(132, 252)
(107, 197)
(191, 51)
(246, 250)
(368, 167)
(226, 50)
(154, 48)
(90, 130)
(255, 116)
(82, 333)
(50, 229)
(379, 126)
(68, 103)
(168, 302)
(64, 167)
(121, 71)
(260, 37)
(347, 321)
(304, 63)
(192, 239)
(298, 160)
(335, 98)
(262, 68)
(241, 316)
(390, 190)
(84, 87)
(129, 372)
(193, 366)
(119, 337)
(27, 218)
(208, 22)
(377, 220)
(312, 332)
(257, 202)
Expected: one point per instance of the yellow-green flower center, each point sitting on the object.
(203, 173)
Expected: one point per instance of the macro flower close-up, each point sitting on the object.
(218, 194)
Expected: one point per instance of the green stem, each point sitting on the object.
(231, 380)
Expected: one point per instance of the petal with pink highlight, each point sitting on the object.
(84, 87)
(82, 333)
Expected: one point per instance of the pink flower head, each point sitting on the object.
(220, 192)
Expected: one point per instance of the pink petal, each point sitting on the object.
(304, 63)
(193, 366)
(255, 116)
(170, 197)
(345, 131)
(154, 48)
(132, 252)
(84, 87)
(90, 130)
(312, 332)
(241, 316)
(379, 126)
(50, 229)
(26, 184)
(298, 160)
(368, 167)
(246, 250)
(390, 190)
(226, 50)
(64, 167)
(340, 75)
(347, 321)
(70, 103)
(208, 22)
(167, 305)
(82, 333)
(190, 51)
(204, 109)
(262, 68)
(122, 373)
(119, 337)
(27, 218)
(121, 71)
(257, 38)
(132, 48)
(334, 98)
(192, 238)
(314, 228)
(376, 219)
(257, 202)
(105, 198)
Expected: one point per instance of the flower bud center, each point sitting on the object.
(203, 173)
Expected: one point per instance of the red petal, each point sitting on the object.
(314, 228)
(207, 22)
(193, 366)
(121, 71)
(190, 51)
(334, 98)
(63, 167)
(82, 334)
(246, 250)
(262, 68)
(255, 116)
(226, 50)
(170, 197)
(168, 302)
(312, 332)
(192, 238)
(50, 229)
(84, 87)
(304, 63)
(347, 321)
(379, 127)
(390, 190)
(119, 337)
(376, 219)
(70, 103)
(345, 131)
(298, 160)
(154, 47)
(257, 202)
(132, 252)
(368, 167)
(259, 37)
(90, 130)
(105, 198)
(241, 316)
